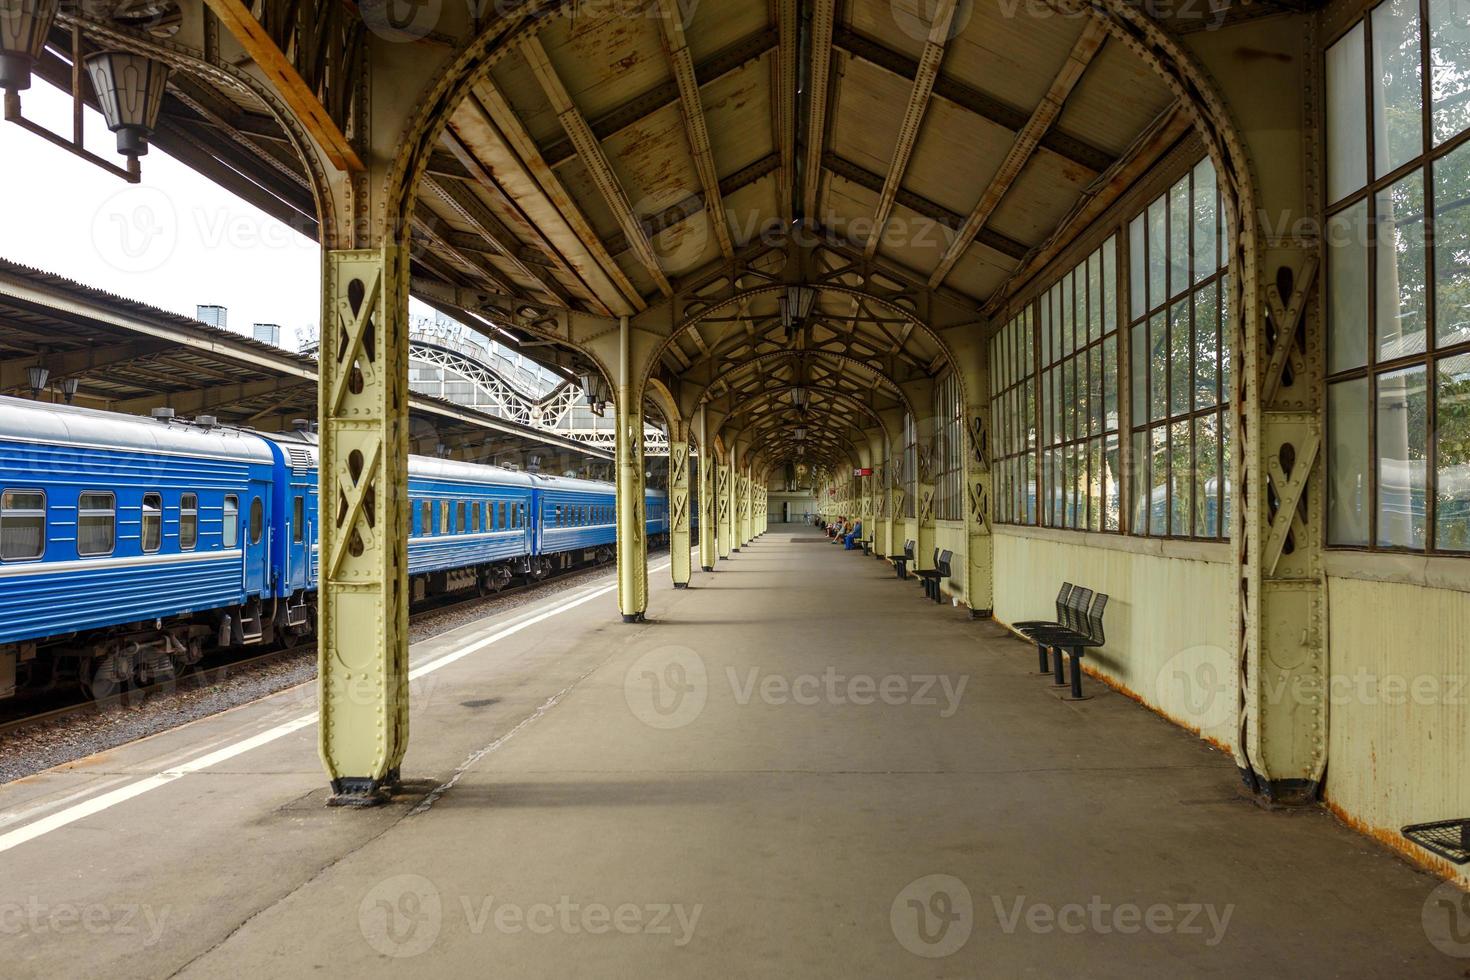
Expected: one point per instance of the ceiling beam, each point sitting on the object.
(913, 117)
(1027, 140)
(676, 47)
(817, 92)
(863, 177)
(640, 107)
(598, 166)
(970, 99)
(235, 15)
(595, 264)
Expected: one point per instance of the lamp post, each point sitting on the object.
(24, 25)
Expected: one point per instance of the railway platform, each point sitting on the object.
(796, 766)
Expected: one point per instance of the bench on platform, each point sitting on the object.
(901, 562)
(931, 577)
(1079, 627)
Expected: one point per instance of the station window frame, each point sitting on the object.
(25, 513)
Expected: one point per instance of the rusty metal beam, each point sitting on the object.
(645, 104)
(970, 99)
(236, 16)
(676, 47)
(913, 118)
(863, 177)
(598, 165)
(1094, 33)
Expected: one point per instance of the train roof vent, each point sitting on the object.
(301, 425)
(206, 421)
(162, 414)
(300, 459)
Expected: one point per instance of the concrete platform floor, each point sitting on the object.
(798, 767)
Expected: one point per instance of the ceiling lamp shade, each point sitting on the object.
(23, 28)
(798, 397)
(130, 90)
(37, 376)
(69, 388)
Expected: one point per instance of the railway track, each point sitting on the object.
(219, 669)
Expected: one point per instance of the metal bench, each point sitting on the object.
(1025, 624)
(1082, 629)
(931, 577)
(901, 562)
(867, 546)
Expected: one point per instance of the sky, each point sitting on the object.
(174, 241)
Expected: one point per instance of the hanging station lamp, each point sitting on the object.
(24, 25)
(129, 89)
(36, 375)
(69, 388)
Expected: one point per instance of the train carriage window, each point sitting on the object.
(558, 515)
(22, 525)
(426, 517)
(298, 520)
(152, 522)
(460, 524)
(232, 521)
(502, 525)
(257, 520)
(188, 521)
(96, 524)
(444, 527)
(475, 517)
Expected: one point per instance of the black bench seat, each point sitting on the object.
(901, 562)
(1081, 629)
(931, 577)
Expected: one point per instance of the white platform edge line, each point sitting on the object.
(122, 794)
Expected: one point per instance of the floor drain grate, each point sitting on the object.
(1447, 838)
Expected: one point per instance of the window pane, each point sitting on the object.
(1112, 469)
(152, 522)
(1110, 285)
(298, 520)
(1094, 485)
(1347, 462)
(1449, 53)
(1179, 224)
(1140, 372)
(1094, 391)
(231, 530)
(22, 525)
(1402, 434)
(1347, 125)
(1206, 483)
(1139, 484)
(1399, 256)
(1094, 296)
(1158, 367)
(1452, 247)
(1206, 222)
(1226, 335)
(1398, 123)
(1206, 348)
(1157, 254)
(1110, 384)
(257, 520)
(1452, 459)
(1181, 470)
(1137, 276)
(1347, 279)
(1158, 480)
(96, 524)
(1179, 368)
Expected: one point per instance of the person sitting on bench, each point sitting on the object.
(855, 532)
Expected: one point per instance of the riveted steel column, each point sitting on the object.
(980, 554)
(709, 507)
(363, 601)
(745, 510)
(632, 528)
(725, 501)
(679, 504)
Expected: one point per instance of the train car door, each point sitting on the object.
(255, 539)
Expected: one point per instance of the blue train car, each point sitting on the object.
(110, 524)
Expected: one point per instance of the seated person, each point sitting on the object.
(853, 534)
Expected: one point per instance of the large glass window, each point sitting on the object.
(1398, 281)
(96, 524)
(22, 525)
(949, 449)
(1179, 376)
(1079, 395)
(231, 533)
(1013, 420)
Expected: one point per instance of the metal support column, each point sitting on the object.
(363, 602)
(724, 501)
(679, 504)
(745, 535)
(980, 570)
(632, 529)
(709, 507)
